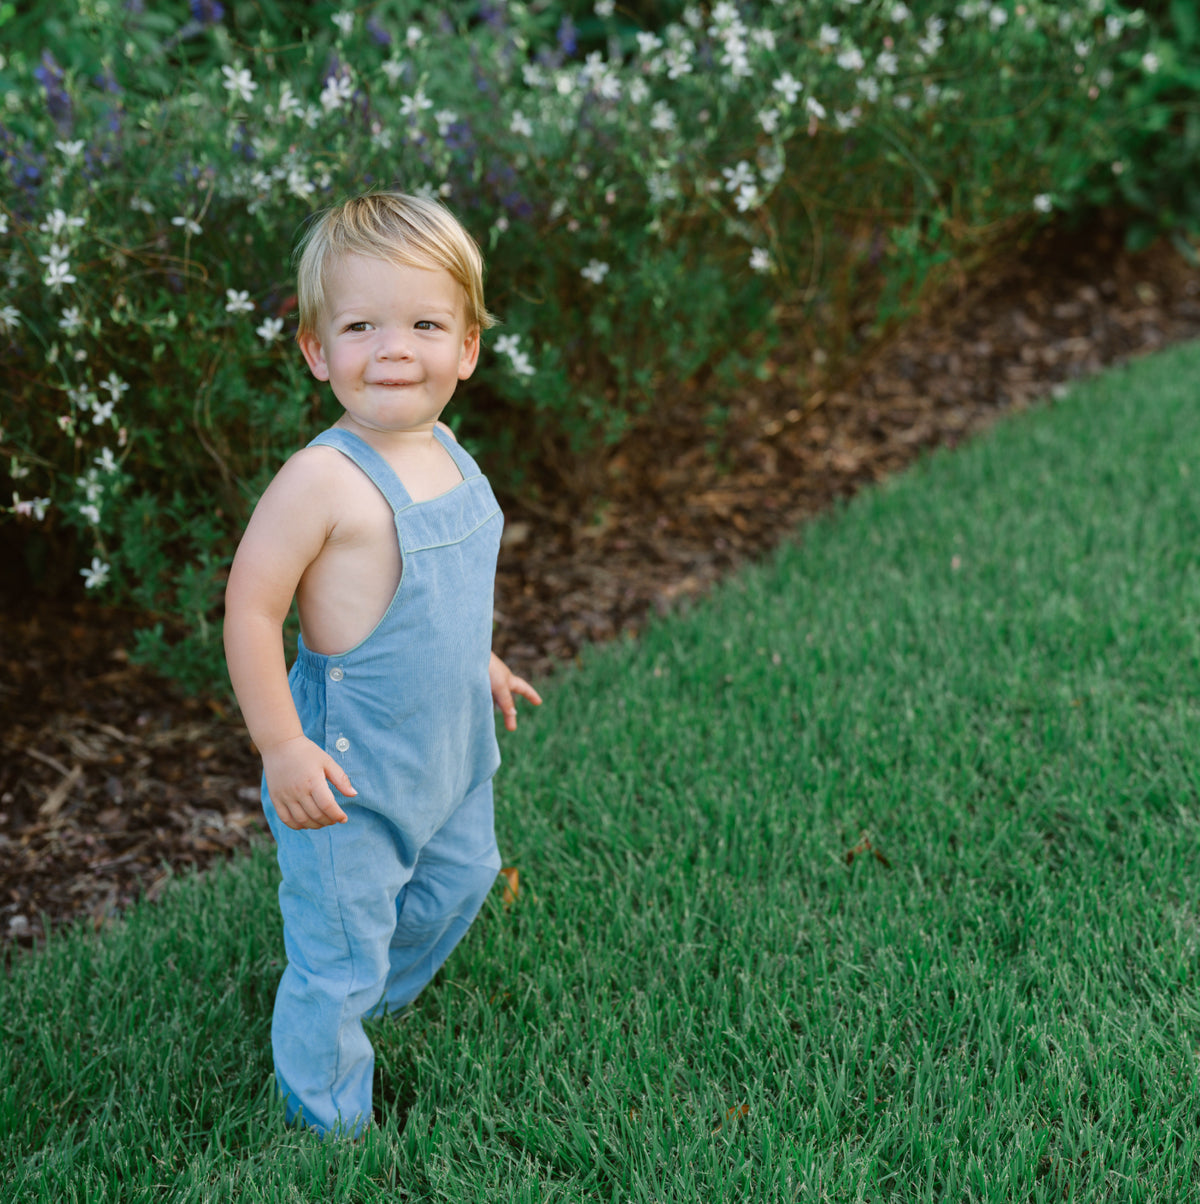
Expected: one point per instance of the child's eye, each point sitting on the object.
(426, 324)
(357, 327)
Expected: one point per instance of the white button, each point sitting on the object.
(342, 744)
(336, 673)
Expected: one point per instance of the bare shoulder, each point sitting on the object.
(302, 497)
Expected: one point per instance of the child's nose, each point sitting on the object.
(395, 345)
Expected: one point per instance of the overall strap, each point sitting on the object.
(466, 465)
(370, 461)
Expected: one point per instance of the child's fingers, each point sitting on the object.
(502, 697)
(338, 776)
(522, 687)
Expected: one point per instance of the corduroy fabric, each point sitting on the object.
(373, 907)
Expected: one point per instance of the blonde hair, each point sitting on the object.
(410, 231)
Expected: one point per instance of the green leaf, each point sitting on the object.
(1187, 22)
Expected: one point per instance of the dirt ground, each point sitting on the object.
(111, 781)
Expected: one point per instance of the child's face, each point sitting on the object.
(392, 342)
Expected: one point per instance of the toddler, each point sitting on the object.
(379, 747)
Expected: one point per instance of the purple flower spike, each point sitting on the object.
(207, 12)
(567, 39)
(50, 75)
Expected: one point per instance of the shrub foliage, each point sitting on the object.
(649, 183)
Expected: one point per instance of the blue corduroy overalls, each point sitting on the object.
(372, 907)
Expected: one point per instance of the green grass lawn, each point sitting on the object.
(984, 676)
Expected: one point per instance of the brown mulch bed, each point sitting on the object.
(111, 781)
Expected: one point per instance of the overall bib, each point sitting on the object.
(372, 907)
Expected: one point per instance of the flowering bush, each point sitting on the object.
(645, 200)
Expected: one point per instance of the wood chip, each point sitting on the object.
(58, 796)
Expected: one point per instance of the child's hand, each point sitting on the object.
(505, 683)
(298, 774)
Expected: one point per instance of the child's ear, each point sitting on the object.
(470, 354)
(314, 355)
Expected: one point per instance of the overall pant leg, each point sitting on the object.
(338, 899)
(455, 871)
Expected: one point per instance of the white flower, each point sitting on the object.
(338, 89)
(788, 87)
(662, 118)
(393, 69)
(887, 63)
(851, 59)
(57, 254)
(91, 512)
(102, 411)
(648, 43)
(931, 43)
(847, 121)
(71, 321)
(997, 16)
(55, 223)
(34, 507)
(9, 318)
(868, 85)
(3, 223)
(289, 103)
(608, 86)
(237, 302)
(140, 205)
(412, 106)
(17, 470)
(639, 90)
(1150, 63)
(239, 82)
(105, 461)
(748, 197)
(90, 485)
(445, 118)
(188, 224)
(604, 8)
(520, 124)
(70, 150)
(299, 185)
(829, 36)
(270, 329)
(95, 575)
(412, 36)
(519, 361)
(900, 12)
(344, 22)
(116, 387)
(1043, 202)
(661, 187)
(58, 274)
(678, 58)
(595, 271)
(736, 177)
(815, 108)
(81, 397)
(769, 120)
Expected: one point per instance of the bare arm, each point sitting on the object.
(284, 536)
